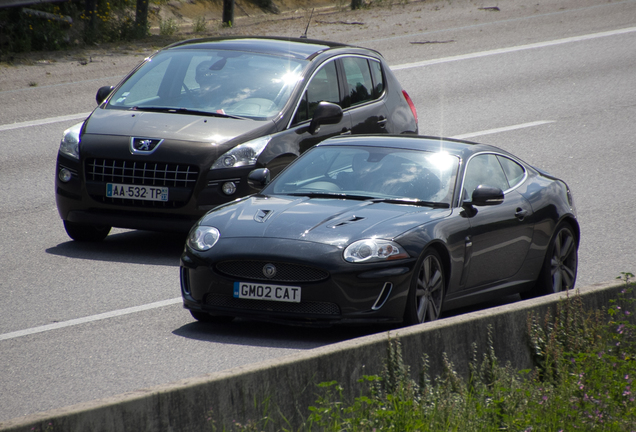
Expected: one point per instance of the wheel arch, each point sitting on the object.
(444, 254)
(571, 220)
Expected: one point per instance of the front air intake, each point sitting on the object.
(384, 295)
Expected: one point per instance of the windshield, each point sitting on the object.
(370, 173)
(234, 83)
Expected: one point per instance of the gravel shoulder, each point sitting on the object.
(327, 20)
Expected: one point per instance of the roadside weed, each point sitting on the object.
(168, 27)
(582, 379)
(199, 25)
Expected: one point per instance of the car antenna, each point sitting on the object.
(304, 36)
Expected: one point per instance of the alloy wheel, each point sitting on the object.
(429, 291)
(563, 263)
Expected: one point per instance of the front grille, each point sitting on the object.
(285, 272)
(179, 178)
(141, 173)
(306, 308)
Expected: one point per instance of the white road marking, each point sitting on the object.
(80, 116)
(503, 129)
(513, 49)
(394, 68)
(159, 304)
(88, 319)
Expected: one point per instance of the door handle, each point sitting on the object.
(521, 213)
(345, 131)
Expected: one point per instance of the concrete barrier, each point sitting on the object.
(287, 385)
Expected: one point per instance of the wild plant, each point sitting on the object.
(582, 379)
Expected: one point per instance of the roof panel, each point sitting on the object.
(289, 47)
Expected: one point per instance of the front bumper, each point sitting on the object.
(344, 293)
(85, 202)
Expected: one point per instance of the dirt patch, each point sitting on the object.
(249, 19)
(185, 12)
(330, 20)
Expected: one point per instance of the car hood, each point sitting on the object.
(328, 221)
(184, 127)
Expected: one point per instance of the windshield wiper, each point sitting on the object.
(409, 201)
(339, 195)
(186, 111)
(336, 195)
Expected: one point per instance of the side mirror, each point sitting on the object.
(258, 178)
(326, 113)
(103, 93)
(487, 196)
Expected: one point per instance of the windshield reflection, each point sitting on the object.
(370, 172)
(233, 83)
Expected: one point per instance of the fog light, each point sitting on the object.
(229, 188)
(64, 175)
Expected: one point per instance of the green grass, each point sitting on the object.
(583, 380)
(168, 27)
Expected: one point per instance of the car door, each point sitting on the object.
(500, 235)
(323, 85)
(363, 88)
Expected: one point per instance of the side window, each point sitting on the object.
(358, 77)
(378, 78)
(514, 171)
(484, 170)
(322, 87)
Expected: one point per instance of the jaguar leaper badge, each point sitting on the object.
(269, 270)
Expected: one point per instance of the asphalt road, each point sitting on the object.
(554, 82)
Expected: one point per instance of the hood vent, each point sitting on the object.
(347, 221)
(262, 215)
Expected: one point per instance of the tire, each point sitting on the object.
(87, 233)
(207, 318)
(560, 264)
(426, 294)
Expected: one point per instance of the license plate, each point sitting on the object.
(249, 290)
(146, 193)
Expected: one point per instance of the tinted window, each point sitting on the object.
(514, 171)
(373, 172)
(232, 82)
(144, 85)
(484, 170)
(358, 77)
(322, 87)
(378, 78)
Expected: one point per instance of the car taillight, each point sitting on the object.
(411, 104)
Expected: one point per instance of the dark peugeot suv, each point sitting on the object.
(182, 132)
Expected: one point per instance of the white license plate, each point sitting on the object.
(146, 193)
(250, 290)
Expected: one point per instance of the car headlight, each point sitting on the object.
(202, 238)
(70, 141)
(244, 154)
(370, 250)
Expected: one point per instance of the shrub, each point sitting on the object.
(168, 27)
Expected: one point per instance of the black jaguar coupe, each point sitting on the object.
(382, 229)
